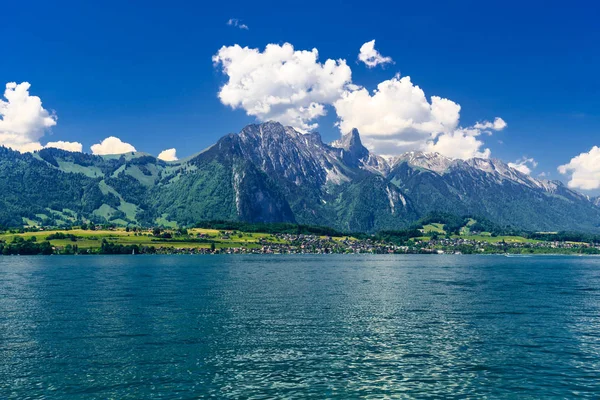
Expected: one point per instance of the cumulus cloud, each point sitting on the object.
(396, 117)
(584, 170)
(23, 120)
(280, 83)
(237, 23)
(524, 165)
(25, 147)
(168, 155)
(497, 125)
(112, 145)
(68, 146)
(372, 57)
(294, 88)
(461, 143)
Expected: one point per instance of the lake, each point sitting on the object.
(305, 326)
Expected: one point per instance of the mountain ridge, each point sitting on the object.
(271, 173)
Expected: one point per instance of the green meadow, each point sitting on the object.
(195, 238)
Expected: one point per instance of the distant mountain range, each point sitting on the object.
(272, 173)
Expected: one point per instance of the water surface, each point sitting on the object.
(184, 327)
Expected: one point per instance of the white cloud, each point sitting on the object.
(168, 155)
(237, 23)
(26, 147)
(397, 117)
(584, 170)
(461, 143)
(497, 125)
(68, 146)
(23, 120)
(281, 83)
(294, 88)
(112, 145)
(372, 57)
(524, 165)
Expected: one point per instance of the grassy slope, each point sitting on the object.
(92, 239)
(435, 227)
(466, 234)
(88, 239)
(496, 239)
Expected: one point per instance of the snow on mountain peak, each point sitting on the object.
(430, 161)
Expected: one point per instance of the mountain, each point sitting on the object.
(272, 173)
(313, 183)
(490, 188)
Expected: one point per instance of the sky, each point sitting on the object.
(516, 81)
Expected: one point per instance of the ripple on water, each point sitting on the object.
(299, 327)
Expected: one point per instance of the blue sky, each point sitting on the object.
(143, 71)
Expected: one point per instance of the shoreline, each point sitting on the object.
(214, 241)
(309, 254)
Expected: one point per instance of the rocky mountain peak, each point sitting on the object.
(269, 129)
(431, 161)
(490, 165)
(353, 150)
(351, 143)
(306, 160)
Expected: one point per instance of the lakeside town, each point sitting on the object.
(111, 240)
(311, 244)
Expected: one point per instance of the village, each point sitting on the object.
(313, 244)
(111, 240)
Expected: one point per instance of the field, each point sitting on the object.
(435, 227)
(465, 233)
(197, 240)
(92, 239)
(495, 239)
(87, 239)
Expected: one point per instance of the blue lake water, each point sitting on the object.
(184, 327)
